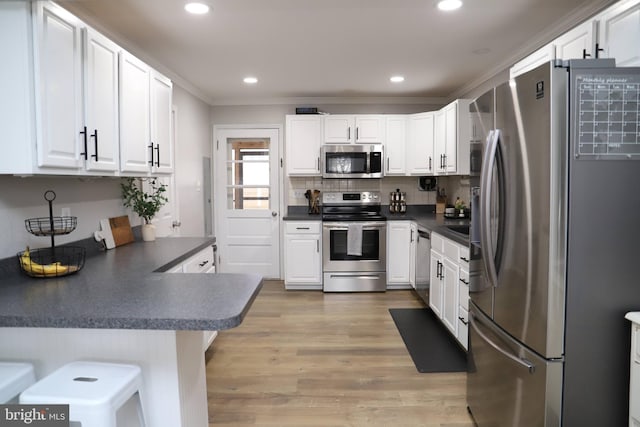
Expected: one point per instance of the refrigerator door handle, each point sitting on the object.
(488, 163)
(522, 362)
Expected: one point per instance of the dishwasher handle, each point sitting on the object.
(424, 234)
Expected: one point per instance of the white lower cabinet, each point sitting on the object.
(401, 254)
(436, 284)
(202, 262)
(634, 374)
(463, 298)
(449, 289)
(303, 255)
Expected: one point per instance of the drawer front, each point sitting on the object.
(437, 243)
(300, 227)
(200, 262)
(451, 250)
(463, 295)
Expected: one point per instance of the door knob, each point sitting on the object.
(274, 213)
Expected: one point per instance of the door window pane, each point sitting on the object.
(248, 174)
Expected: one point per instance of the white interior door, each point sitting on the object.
(247, 200)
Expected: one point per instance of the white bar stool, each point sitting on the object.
(15, 377)
(94, 391)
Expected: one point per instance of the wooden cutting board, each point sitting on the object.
(121, 230)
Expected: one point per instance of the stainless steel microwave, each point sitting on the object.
(352, 161)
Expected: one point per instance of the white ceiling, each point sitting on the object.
(331, 48)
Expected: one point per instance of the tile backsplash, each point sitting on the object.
(455, 186)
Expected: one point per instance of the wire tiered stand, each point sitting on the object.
(53, 261)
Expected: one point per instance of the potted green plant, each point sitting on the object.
(144, 203)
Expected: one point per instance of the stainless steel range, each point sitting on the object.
(354, 242)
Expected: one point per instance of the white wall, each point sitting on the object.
(193, 142)
(89, 199)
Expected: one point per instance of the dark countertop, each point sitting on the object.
(433, 222)
(301, 213)
(125, 288)
(423, 215)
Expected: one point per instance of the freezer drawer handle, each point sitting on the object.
(518, 360)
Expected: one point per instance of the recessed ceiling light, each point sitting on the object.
(397, 79)
(250, 80)
(196, 8)
(448, 5)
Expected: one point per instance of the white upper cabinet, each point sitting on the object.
(420, 144)
(359, 129)
(395, 143)
(161, 100)
(303, 142)
(146, 146)
(62, 97)
(135, 139)
(614, 33)
(577, 43)
(537, 58)
(369, 129)
(619, 33)
(452, 136)
(101, 103)
(440, 143)
(58, 87)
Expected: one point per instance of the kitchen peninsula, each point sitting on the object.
(122, 307)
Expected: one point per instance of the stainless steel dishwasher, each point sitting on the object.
(423, 262)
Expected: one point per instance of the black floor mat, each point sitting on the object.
(431, 346)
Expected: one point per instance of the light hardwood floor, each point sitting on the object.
(306, 358)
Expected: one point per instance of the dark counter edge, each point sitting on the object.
(129, 323)
(10, 266)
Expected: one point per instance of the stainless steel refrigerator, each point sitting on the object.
(555, 244)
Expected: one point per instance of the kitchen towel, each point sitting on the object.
(354, 239)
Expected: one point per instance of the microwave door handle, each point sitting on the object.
(488, 164)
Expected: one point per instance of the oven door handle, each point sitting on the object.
(365, 226)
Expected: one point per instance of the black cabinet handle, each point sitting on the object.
(84, 134)
(464, 281)
(585, 55)
(349, 132)
(598, 50)
(158, 155)
(464, 259)
(151, 147)
(203, 263)
(463, 321)
(429, 162)
(95, 143)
